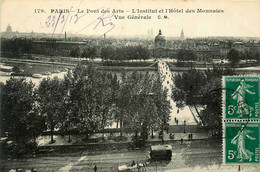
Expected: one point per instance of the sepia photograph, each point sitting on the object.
(129, 86)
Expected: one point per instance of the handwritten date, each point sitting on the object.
(61, 20)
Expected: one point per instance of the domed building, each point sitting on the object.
(160, 40)
(9, 29)
(161, 49)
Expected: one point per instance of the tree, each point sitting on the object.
(68, 119)
(18, 110)
(125, 53)
(195, 88)
(86, 97)
(75, 52)
(107, 53)
(17, 46)
(257, 56)
(50, 94)
(187, 87)
(211, 97)
(233, 56)
(104, 98)
(89, 52)
(142, 53)
(186, 55)
(143, 104)
(123, 100)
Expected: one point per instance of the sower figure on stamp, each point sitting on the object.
(239, 95)
(239, 140)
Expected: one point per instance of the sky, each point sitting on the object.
(239, 19)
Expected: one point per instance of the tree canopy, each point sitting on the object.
(234, 56)
(201, 89)
(86, 101)
(19, 117)
(186, 55)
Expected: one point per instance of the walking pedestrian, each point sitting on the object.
(177, 121)
(95, 168)
(133, 163)
(178, 111)
(191, 136)
(181, 141)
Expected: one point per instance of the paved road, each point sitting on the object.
(192, 155)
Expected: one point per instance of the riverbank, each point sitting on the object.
(43, 66)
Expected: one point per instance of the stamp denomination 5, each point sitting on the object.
(241, 97)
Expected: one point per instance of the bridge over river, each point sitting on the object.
(186, 114)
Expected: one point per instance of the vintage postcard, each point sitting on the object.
(129, 85)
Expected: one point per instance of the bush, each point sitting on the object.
(14, 150)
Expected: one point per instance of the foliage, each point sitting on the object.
(50, 94)
(90, 52)
(186, 55)
(17, 46)
(18, 110)
(89, 97)
(75, 52)
(125, 53)
(234, 56)
(87, 100)
(196, 88)
(143, 103)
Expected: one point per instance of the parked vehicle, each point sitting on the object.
(161, 152)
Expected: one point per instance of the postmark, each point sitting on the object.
(240, 120)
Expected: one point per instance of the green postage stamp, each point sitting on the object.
(240, 120)
(241, 97)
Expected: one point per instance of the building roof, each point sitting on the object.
(161, 147)
(159, 37)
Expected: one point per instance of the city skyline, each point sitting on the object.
(239, 19)
(147, 36)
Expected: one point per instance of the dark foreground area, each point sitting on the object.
(200, 155)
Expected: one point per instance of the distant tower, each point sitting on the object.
(182, 35)
(9, 28)
(150, 34)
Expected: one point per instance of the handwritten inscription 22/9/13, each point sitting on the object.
(60, 19)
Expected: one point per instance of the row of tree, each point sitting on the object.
(86, 100)
(17, 46)
(234, 56)
(125, 53)
(113, 53)
(186, 55)
(202, 90)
